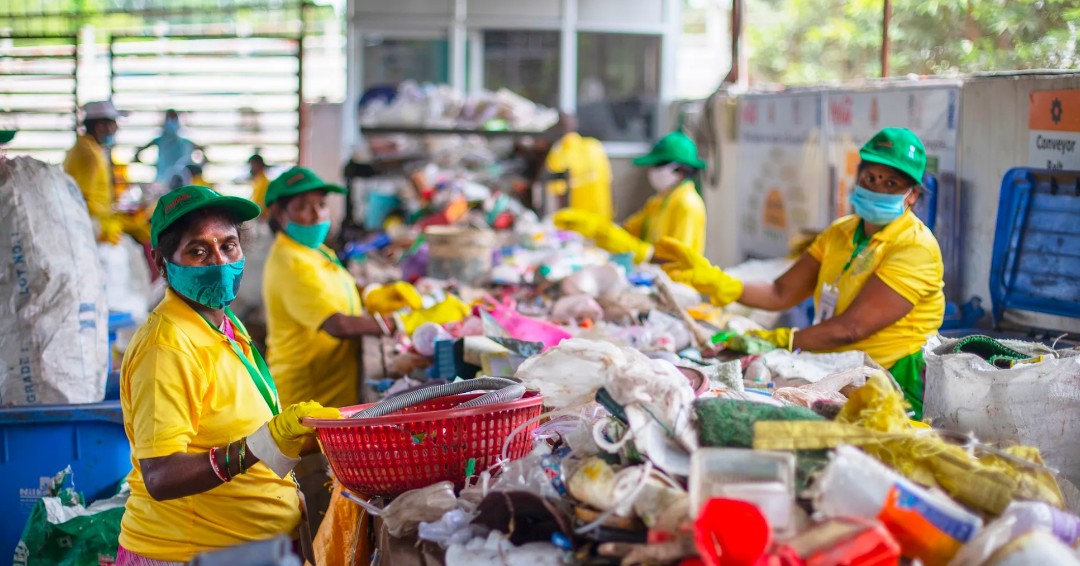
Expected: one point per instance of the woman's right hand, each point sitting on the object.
(689, 267)
(290, 434)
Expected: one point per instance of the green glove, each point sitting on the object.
(289, 433)
(689, 267)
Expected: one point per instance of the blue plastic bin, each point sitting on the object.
(38, 441)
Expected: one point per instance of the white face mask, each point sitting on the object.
(664, 177)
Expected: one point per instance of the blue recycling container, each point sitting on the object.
(38, 441)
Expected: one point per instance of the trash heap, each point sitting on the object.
(440, 106)
(628, 423)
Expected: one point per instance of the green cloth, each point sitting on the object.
(730, 422)
(908, 372)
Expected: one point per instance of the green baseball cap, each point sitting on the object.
(898, 148)
(295, 181)
(179, 202)
(675, 147)
(6, 136)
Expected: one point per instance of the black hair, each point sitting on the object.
(908, 178)
(194, 168)
(283, 202)
(912, 183)
(257, 159)
(169, 239)
(92, 123)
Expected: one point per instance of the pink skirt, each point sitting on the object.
(124, 557)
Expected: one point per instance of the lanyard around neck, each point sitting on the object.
(259, 373)
(861, 240)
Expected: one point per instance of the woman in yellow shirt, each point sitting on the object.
(211, 446)
(313, 311)
(876, 276)
(676, 211)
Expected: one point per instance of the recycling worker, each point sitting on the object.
(314, 314)
(211, 446)
(89, 166)
(876, 275)
(174, 150)
(259, 181)
(580, 165)
(676, 211)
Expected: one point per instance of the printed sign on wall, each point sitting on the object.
(781, 171)
(1054, 129)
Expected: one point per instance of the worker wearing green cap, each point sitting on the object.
(676, 211)
(211, 445)
(876, 275)
(314, 313)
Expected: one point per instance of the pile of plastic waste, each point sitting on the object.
(671, 437)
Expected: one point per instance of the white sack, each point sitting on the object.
(1031, 404)
(54, 317)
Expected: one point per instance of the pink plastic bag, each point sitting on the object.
(522, 327)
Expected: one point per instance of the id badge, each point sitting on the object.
(826, 303)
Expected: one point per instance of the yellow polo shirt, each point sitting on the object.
(184, 389)
(303, 287)
(678, 213)
(88, 166)
(906, 257)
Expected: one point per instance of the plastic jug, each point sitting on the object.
(929, 526)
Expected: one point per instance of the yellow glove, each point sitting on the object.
(288, 432)
(781, 337)
(608, 236)
(689, 267)
(452, 309)
(616, 240)
(585, 223)
(392, 298)
(112, 229)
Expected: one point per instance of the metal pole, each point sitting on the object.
(886, 16)
(736, 40)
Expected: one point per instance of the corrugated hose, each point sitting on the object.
(387, 406)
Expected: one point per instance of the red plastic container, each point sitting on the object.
(424, 444)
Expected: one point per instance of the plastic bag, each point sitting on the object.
(404, 515)
(62, 532)
(54, 315)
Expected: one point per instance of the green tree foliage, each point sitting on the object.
(813, 41)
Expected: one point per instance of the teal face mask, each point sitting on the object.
(877, 208)
(213, 286)
(308, 235)
(109, 140)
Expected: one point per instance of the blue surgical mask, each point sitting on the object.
(213, 286)
(310, 235)
(877, 208)
(171, 127)
(109, 140)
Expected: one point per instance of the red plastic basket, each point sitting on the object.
(424, 444)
